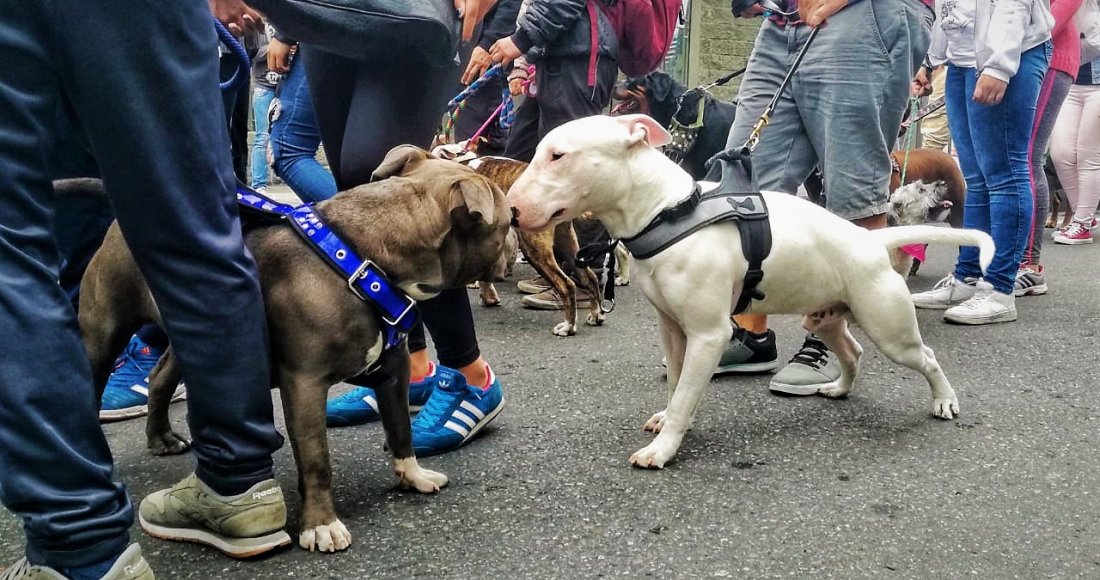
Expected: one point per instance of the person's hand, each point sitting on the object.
(236, 16)
(752, 11)
(816, 12)
(472, 12)
(989, 90)
(278, 56)
(515, 86)
(504, 51)
(479, 63)
(922, 84)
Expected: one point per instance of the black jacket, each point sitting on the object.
(500, 21)
(563, 28)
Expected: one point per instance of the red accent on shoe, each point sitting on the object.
(420, 379)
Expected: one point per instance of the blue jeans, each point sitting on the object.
(295, 140)
(261, 100)
(172, 189)
(993, 143)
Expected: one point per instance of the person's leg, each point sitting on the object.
(1002, 140)
(76, 515)
(1030, 277)
(524, 136)
(933, 128)
(236, 115)
(1063, 143)
(203, 278)
(1088, 169)
(385, 108)
(261, 101)
(295, 138)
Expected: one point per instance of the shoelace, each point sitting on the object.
(1075, 229)
(440, 405)
(948, 280)
(132, 370)
(813, 353)
(17, 570)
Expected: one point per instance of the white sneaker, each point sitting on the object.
(946, 293)
(987, 306)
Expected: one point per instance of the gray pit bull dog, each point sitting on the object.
(428, 223)
(820, 266)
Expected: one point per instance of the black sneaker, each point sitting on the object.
(748, 352)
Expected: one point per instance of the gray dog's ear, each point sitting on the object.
(398, 160)
(476, 194)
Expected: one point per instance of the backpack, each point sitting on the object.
(1087, 21)
(645, 29)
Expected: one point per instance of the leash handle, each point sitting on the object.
(244, 64)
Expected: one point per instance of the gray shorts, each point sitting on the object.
(844, 105)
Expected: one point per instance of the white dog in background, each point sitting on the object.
(820, 265)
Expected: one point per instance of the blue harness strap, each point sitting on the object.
(365, 279)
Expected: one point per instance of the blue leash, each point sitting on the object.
(244, 64)
(508, 113)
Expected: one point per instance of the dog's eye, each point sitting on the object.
(556, 156)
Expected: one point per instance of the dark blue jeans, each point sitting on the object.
(295, 139)
(993, 144)
(149, 106)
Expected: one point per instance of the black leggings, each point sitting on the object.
(364, 110)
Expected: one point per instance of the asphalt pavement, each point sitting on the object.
(763, 487)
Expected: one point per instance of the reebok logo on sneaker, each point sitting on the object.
(265, 493)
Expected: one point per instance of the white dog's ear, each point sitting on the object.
(643, 128)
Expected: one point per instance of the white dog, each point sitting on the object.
(820, 265)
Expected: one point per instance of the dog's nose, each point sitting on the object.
(515, 217)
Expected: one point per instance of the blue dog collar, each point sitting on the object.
(365, 279)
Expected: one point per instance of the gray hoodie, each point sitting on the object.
(1003, 30)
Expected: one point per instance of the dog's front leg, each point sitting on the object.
(393, 406)
(673, 343)
(164, 379)
(704, 349)
(304, 408)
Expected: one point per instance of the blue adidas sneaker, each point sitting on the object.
(359, 405)
(127, 393)
(455, 413)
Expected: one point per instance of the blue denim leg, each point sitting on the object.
(295, 140)
(261, 100)
(993, 143)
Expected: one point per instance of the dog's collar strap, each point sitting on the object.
(684, 136)
(700, 210)
(365, 279)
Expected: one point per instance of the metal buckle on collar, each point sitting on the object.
(353, 285)
(685, 207)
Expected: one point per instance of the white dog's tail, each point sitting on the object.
(902, 235)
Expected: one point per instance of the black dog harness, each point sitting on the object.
(700, 210)
(365, 279)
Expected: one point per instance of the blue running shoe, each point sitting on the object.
(359, 405)
(455, 413)
(127, 393)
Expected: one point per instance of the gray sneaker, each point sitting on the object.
(241, 526)
(129, 566)
(814, 367)
(749, 353)
(1030, 281)
(946, 293)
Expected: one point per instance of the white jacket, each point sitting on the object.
(1003, 30)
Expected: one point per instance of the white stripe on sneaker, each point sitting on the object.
(462, 417)
(468, 406)
(457, 428)
(140, 389)
(369, 400)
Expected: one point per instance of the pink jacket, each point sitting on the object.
(1067, 44)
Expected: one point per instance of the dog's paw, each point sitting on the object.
(489, 295)
(946, 409)
(330, 537)
(621, 281)
(652, 456)
(168, 443)
(594, 319)
(565, 329)
(412, 476)
(655, 423)
(833, 392)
